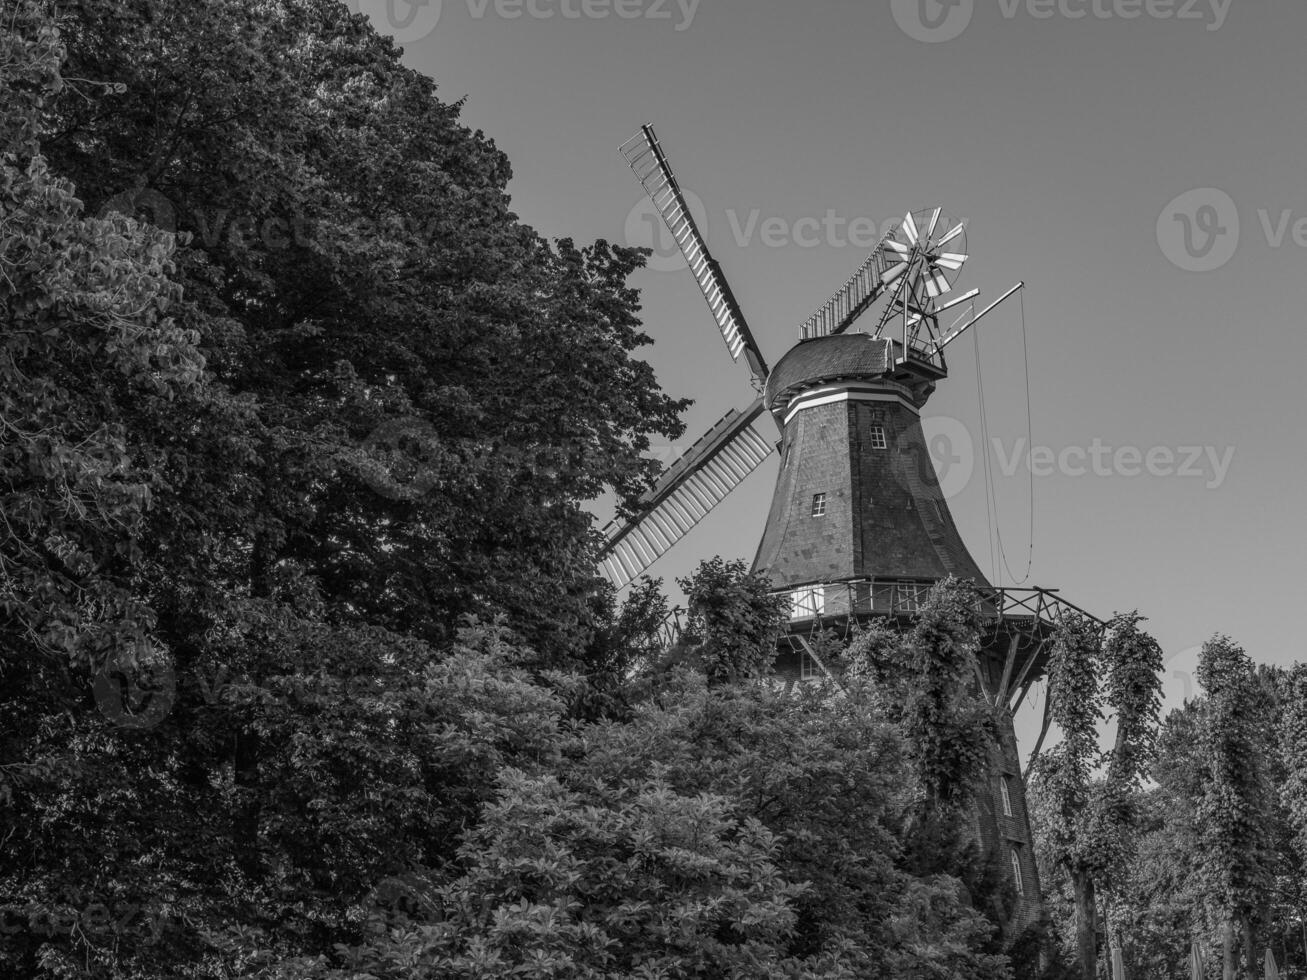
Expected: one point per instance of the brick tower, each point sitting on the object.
(858, 528)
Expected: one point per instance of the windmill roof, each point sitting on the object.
(848, 355)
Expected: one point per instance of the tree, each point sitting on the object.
(1170, 893)
(262, 470)
(396, 351)
(1293, 792)
(925, 678)
(88, 349)
(734, 621)
(614, 881)
(1236, 801)
(1089, 818)
(723, 830)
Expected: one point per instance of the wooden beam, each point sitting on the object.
(1039, 744)
(1001, 695)
(824, 669)
(1025, 689)
(980, 677)
(1025, 669)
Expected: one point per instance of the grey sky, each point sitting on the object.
(1062, 131)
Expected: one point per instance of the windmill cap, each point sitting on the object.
(826, 359)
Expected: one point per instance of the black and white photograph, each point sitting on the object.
(653, 490)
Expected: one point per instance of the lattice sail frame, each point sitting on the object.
(696, 483)
(645, 156)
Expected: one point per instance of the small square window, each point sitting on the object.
(819, 505)
(878, 440)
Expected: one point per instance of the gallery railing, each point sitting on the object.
(900, 598)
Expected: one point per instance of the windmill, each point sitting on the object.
(858, 526)
(907, 280)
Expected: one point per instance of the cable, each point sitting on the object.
(984, 455)
(1030, 555)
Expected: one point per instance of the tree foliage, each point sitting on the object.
(88, 353)
(306, 669)
(1293, 790)
(734, 620)
(392, 350)
(1211, 844)
(1087, 797)
(1235, 808)
(724, 831)
(927, 679)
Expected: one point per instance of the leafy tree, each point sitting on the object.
(1157, 909)
(734, 621)
(1169, 893)
(396, 351)
(926, 677)
(1293, 791)
(721, 831)
(247, 478)
(1089, 820)
(88, 349)
(634, 880)
(834, 781)
(951, 728)
(1236, 798)
(1165, 900)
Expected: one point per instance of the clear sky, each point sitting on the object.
(1069, 133)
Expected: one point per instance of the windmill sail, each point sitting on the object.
(645, 155)
(881, 269)
(695, 484)
(911, 260)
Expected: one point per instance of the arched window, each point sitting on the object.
(1007, 796)
(1016, 871)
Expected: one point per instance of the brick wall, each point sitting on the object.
(885, 515)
